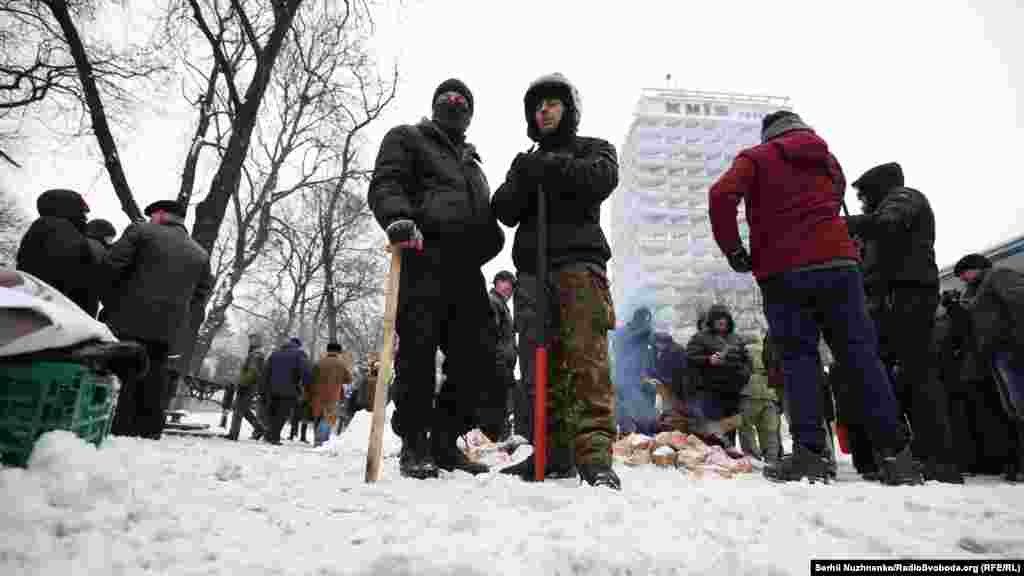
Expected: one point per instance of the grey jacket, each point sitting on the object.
(157, 274)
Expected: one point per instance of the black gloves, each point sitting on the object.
(532, 169)
(404, 232)
(858, 223)
(739, 260)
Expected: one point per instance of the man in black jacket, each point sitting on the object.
(55, 248)
(995, 307)
(577, 174)
(505, 359)
(721, 363)
(431, 197)
(902, 286)
(157, 275)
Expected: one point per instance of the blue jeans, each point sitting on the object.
(1012, 393)
(799, 305)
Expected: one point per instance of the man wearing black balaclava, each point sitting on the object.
(432, 199)
(902, 284)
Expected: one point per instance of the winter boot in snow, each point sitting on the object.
(449, 457)
(899, 468)
(600, 475)
(302, 433)
(416, 460)
(802, 463)
(560, 464)
(943, 472)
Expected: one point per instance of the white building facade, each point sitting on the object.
(663, 254)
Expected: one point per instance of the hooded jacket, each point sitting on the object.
(792, 188)
(422, 175)
(732, 375)
(56, 250)
(898, 230)
(587, 173)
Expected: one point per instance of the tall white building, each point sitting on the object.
(663, 254)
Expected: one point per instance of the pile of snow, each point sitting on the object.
(205, 505)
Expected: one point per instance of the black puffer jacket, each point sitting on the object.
(420, 174)
(589, 174)
(55, 248)
(898, 231)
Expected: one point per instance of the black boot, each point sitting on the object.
(943, 472)
(600, 475)
(899, 468)
(448, 456)
(415, 460)
(302, 433)
(802, 463)
(561, 463)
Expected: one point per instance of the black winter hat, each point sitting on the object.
(882, 177)
(454, 85)
(62, 203)
(333, 347)
(972, 262)
(171, 206)
(100, 228)
(505, 275)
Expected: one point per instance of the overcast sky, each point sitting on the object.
(932, 85)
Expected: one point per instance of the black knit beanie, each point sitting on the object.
(972, 262)
(454, 85)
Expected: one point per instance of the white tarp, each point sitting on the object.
(68, 324)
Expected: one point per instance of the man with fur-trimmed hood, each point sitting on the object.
(721, 363)
(577, 174)
(431, 197)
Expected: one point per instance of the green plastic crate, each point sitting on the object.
(36, 398)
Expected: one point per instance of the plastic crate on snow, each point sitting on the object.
(38, 397)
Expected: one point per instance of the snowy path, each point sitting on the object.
(189, 505)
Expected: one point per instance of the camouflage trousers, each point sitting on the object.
(580, 394)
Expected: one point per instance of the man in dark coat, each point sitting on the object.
(55, 248)
(995, 304)
(577, 174)
(157, 276)
(902, 285)
(286, 373)
(806, 264)
(250, 379)
(722, 364)
(431, 197)
(505, 359)
(100, 234)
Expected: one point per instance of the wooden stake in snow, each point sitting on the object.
(380, 392)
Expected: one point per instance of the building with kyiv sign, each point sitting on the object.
(663, 254)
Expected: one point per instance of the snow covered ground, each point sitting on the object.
(191, 505)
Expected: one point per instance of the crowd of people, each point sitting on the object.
(922, 387)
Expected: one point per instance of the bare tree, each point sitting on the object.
(323, 94)
(13, 225)
(48, 60)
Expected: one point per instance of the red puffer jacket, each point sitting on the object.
(792, 189)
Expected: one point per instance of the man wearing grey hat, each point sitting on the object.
(156, 276)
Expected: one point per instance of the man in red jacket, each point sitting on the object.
(807, 268)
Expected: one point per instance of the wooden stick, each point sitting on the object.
(374, 451)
